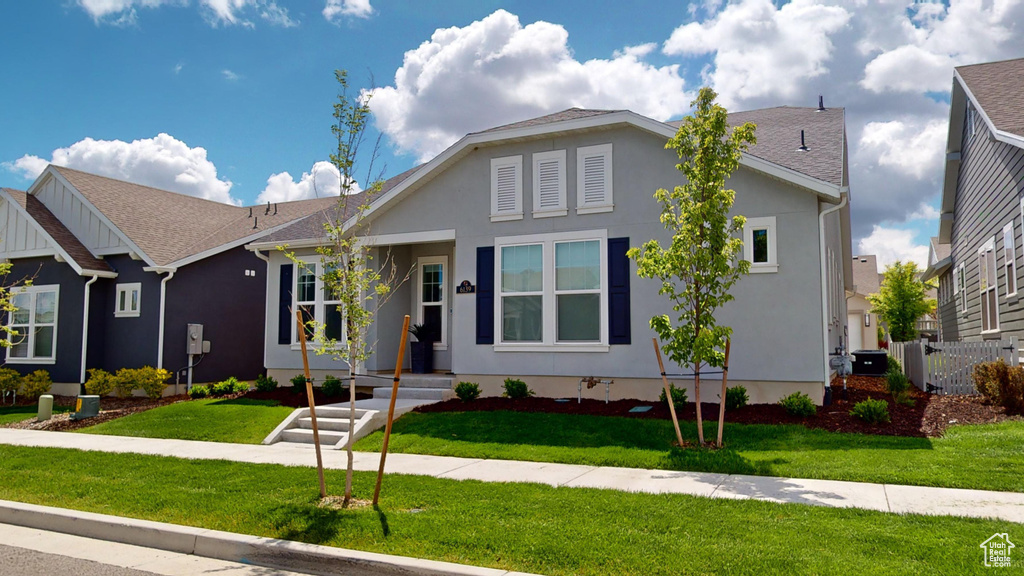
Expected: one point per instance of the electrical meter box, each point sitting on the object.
(86, 407)
(194, 342)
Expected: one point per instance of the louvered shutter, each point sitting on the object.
(284, 310)
(506, 188)
(485, 295)
(618, 291)
(506, 192)
(594, 178)
(549, 185)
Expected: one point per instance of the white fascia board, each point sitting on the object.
(100, 273)
(373, 240)
(159, 269)
(60, 252)
(937, 269)
(1002, 136)
(624, 117)
(81, 197)
(234, 244)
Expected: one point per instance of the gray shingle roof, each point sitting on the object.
(941, 250)
(569, 114)
(865, 275)
(60, 234)
(998, 88)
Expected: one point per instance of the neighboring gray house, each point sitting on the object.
(119, 270)
(977, 254)
(537, 216)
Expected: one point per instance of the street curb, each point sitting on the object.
(231, 547)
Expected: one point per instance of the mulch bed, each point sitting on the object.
(287, 397)
(929, 416)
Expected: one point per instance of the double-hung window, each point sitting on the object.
(553, 292)
(1010, 260)
(760, 244)
(128, 300)
(311, 296)
(34, 319)
(987, 287)
(433, 298)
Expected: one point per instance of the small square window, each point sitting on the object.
(760, 244)
(128, 301)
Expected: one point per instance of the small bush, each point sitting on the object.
(224, 388)
(150, 380)
(10, 380)
(1001, 384)
(100, 382)
(332, 386)
(679, 399)
(265, 383)
(240, 387)
(799, 404)
(736, 397)
(515, 388)
(36, 384)
(198, 391)
(298, 383)
(897, 384)
(467, 391)
(893, 365)
(871, 411)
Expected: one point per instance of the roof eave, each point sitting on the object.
(936, 269)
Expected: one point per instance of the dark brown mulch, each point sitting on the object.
(287, 397)
(929, 416)
(110, 409)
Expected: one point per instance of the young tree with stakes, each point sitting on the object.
(347, 269)
(702, 262)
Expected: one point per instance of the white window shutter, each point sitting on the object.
(506, 188)
(594, 179)
(549, 184)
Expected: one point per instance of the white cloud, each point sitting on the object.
(761, 50)
(911, 147)
(119, 12)
(321, 181)
(892, 244)
(178, 67)
(335, 9)
(230, 76)
(216, 12)
(909, 69)
(274, 14)
(496, 71)
(161, 162)
(925, 212)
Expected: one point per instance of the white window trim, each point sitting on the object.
(561, 209)
(609, 201)
(763, 223)
(548, 342)
(496, 163)
(960, 288)
(127, 290)
(989, 246)
(1010, 260)
(319, 304)
(443, 261)
(55, 288)
(972, 121)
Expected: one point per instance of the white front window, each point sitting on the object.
(549, 184)
(128, 300)
(1010, 260)
(987, 287)
(760, 244)
(594, 179)
(34, 318)
(432, 297)
(316, 303)
(507, 188)
(553, 292)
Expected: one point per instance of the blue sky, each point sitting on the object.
(231, 99)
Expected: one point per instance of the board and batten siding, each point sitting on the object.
(99, 238)
(20, 237)
(989, 186)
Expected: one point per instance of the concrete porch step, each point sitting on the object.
(338, 412)
(437, 394)
(408, 381)
(333, 424)
(304, 436)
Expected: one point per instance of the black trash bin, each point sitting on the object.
(870, 363)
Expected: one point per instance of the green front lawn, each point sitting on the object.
(240, 421)
(12, 414)
(989, 456)
(526, 527)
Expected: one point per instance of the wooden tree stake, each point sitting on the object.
(391, 408)
(312, 404)
(668, 393)
(721, 406)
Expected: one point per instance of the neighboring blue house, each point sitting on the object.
(120, 270)
(536, 217)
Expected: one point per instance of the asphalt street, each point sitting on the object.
(23, 562)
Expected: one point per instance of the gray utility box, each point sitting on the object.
(870, 362)
(86, 407)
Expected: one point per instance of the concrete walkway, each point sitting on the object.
(883, 497)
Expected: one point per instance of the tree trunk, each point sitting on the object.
(351, 424)
(696, 392)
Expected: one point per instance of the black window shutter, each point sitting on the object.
(284, 313)
(485, 295)
(618, 291)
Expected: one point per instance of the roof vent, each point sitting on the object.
(250, 211)
(821, 103)
(267, 211)
(275, 208)
(255, 222)
(803, 146)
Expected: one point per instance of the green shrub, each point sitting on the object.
(224, 387)
(332, 386)
(241, 387)
(150, 380)
(736, 397)
(467, 391)
(799, 404)
(515, 388)
(893, 365)
(10, 380)
(36, 384)
(871, 411)
(679, 399)
(100, 382)
(898, 385)
(1001, 384)
(198, 391)
(265, 383)
(298, 384)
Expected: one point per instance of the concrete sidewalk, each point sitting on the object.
(883, 497)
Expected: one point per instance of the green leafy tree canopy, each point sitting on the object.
(901, 300)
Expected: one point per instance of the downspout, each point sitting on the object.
(163, 308)
(85, 328)
(824, 284)
(266, 303)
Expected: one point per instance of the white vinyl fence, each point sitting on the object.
(946, 367)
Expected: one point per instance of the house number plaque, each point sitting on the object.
(465, 288)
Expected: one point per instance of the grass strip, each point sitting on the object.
(526, 527)
(12, 414)
(984, 457)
